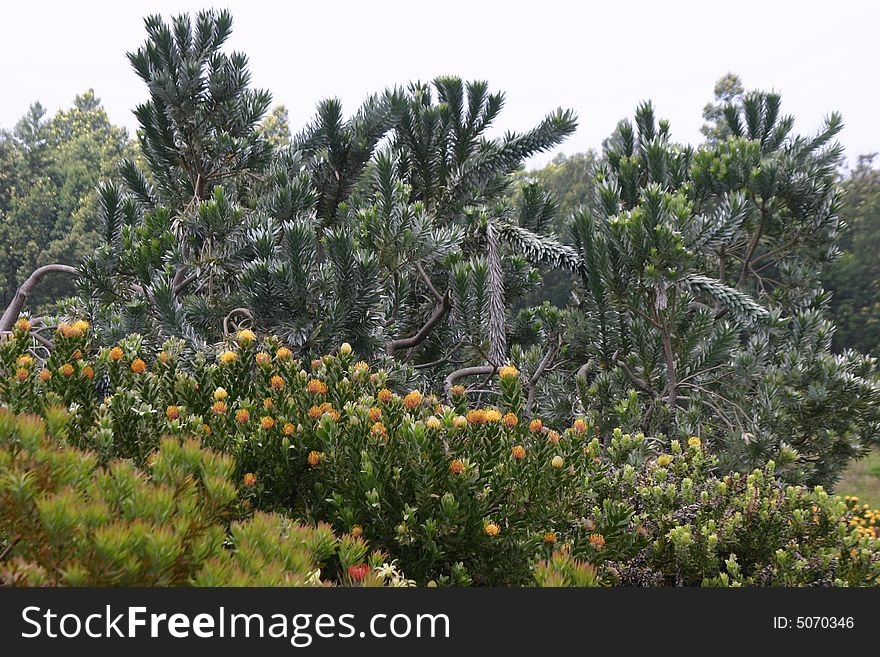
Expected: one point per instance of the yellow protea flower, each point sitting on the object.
(25, 360)
(81, 326)
(433, 422)
(459, 422)
(228, 357)
(263, 358)
(220, 394)
(694, 441)
(245, 336)
(283, 353)
(138, 366)
(267, 422)
(163, 357)
(557, 462)
(491, 529)
(276, 382)
(663, 460)
(116, 354)
(493, 416)
(518, 452)
(413, 399)
(345, 349)
(317, 387)
(508, 372)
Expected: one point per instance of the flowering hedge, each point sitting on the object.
(456, 492)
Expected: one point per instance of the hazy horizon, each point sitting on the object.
(599, 60)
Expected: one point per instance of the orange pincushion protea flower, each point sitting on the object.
(518, 452)
(276, 382)
(535, 426)
(67, 369)
(283, 353)
(263, 358)
(476, 416)
(375, 414)
(242, 416)
(492, 529)
(378, 429)
(413, 399)
(138, 366)
(579, 426)
(510, 420)
(228, 357)
(172, 412)
(21, 374)
(493, 416)
(597, 541)
(116, 354)
(44, 375)
(249, 479)
(288, 429)
(458, 391)
(385, 395)
(267, 422)
(23, 325)
(317, 387)
(456, 467)
(315, 458)
(219, 408)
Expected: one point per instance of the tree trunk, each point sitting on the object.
(14, 309)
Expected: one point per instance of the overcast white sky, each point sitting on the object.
(599, 58)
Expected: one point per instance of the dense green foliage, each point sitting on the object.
(49, 170)
(66, 521)
(854, 278)
(228, 271)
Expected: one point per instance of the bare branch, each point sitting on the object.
(479, 370)
(14, 309)
(417, 339)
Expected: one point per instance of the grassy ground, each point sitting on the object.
(862, 479)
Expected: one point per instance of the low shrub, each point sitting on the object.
(455, 490)
(66, 521)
